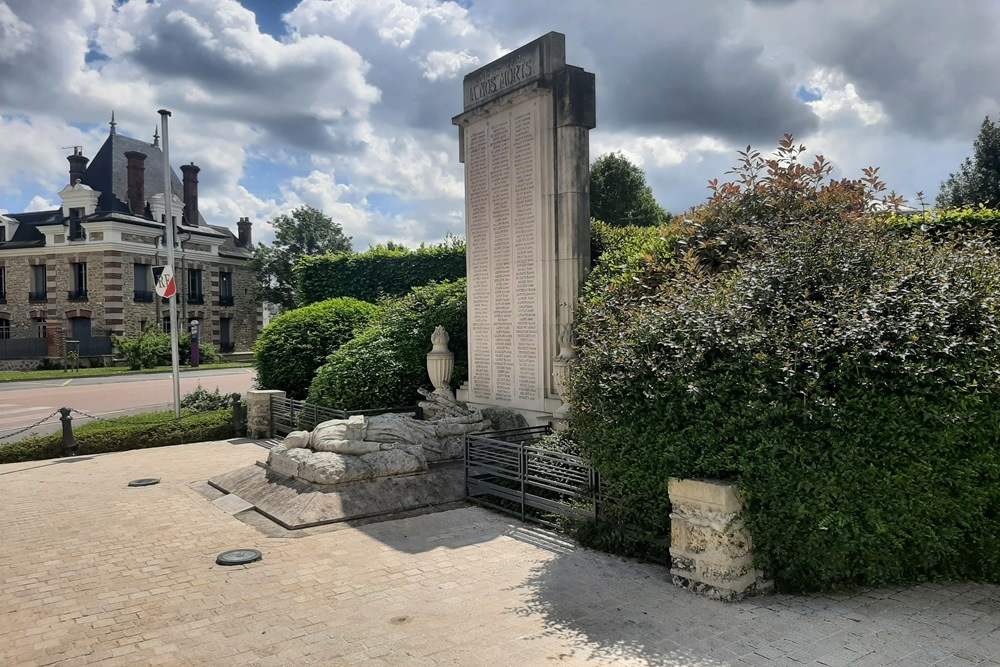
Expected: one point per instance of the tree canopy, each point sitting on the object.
(619, 195)
(977, 180)
(305, 231)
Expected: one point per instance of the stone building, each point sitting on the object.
(84, 271)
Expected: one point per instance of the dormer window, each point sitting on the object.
(76, 231)
(3, 233)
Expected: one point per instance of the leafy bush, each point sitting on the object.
(203, 400)
(295, 344)
(380, 271)
(847, 379)
(121, 434)
(385, 364)
(151, 348)
(619, 255)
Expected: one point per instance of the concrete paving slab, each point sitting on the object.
(95, 573)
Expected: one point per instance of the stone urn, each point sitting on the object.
(441, 363)
(560, 368)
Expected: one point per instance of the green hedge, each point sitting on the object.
(158, 429)
(844, 376)
(295, 344)
(385, 364)
(378, 272)
(847, 380)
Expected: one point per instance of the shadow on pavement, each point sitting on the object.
(74, 459)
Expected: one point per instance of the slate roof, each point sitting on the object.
(27, 234)
(107, 173)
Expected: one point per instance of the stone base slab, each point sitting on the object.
(293, 503)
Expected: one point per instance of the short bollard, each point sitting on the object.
(68, 441)
(238, 419)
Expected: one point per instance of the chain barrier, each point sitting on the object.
(81, 412)
(28, 428)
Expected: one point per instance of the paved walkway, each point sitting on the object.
(95, 573)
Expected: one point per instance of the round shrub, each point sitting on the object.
(296, 343)
(386, 363)
(846, 378)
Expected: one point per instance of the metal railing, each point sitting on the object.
(196, 299)
(289, 415)
(505, 471)
(38, 296)
(144, 296)
(77, 295)
(226, 300)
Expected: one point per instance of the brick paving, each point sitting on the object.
(93, 572)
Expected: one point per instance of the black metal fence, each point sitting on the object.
(36, 348)
(23, 348)
(505, 471)
(289, 415)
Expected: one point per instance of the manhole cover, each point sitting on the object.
(238, 557)
(148, 481)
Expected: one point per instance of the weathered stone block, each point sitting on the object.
(715, 495)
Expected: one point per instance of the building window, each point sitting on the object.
(3, 284)
(4, 329)
(195, 293)
(226, 288)
(76, 232)
(40, 327)
(78, 276)
(39, 287)
(3, 233)
(142, 283)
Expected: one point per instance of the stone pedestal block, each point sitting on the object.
(259, 412)
(710, 549)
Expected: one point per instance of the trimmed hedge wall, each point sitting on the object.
(378, 272)
(158, 429)
(946, 222)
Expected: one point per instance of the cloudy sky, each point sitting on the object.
(346, 105)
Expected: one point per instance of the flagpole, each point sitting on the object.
(169, 223)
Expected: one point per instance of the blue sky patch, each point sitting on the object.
(808, 94)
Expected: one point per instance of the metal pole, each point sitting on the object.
(169, 222)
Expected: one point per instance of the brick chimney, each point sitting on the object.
(245, 226)
(136, 174)
(77, 165)
(190, 193)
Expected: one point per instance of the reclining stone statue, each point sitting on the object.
(363, 448)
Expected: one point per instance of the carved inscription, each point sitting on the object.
(478, 252)
(503, 208)
(525, 278)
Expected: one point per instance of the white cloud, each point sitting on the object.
(447, 64)
(840, 98)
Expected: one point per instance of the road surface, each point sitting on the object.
(23, 404)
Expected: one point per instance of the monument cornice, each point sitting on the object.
(522, 67)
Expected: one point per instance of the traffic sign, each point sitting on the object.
(166, 286)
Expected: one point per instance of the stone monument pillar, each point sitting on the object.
(524, 139)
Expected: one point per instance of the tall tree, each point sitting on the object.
(306, 231)
(977, 180)
(619, 195)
